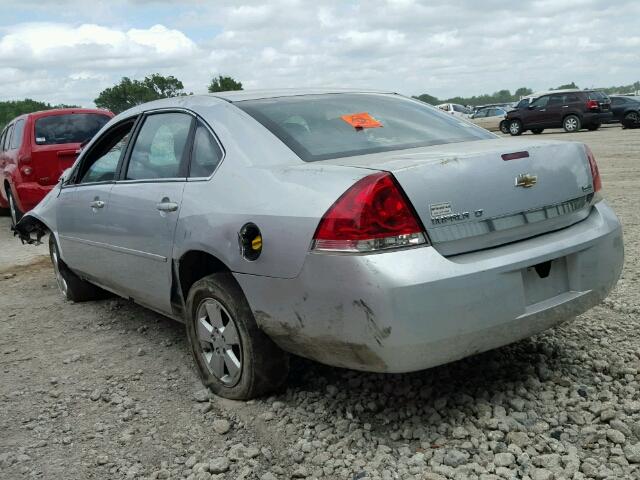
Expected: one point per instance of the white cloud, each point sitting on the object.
(456, 47)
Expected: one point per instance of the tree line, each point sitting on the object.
(505, 96)
(122, 96)
(130, 92)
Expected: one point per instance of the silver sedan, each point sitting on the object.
(364, 230)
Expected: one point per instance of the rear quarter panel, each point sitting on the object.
(260, 180)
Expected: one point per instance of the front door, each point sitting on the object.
(144, 207)
(82, 219)
(537, 114)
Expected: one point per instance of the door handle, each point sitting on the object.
(97, 204)
(167, 206)
(543, 109)
(565, 106)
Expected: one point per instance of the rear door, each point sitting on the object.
(82, 222)
(144, 206)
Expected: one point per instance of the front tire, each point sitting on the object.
(515, 128)
(537, 131)
(571, 124)
(72, 287)
(235, 359)
(594, 127)
(504, 126)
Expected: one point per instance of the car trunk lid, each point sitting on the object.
(486, 193)
(49, 161)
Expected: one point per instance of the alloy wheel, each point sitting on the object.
(220, 345)
(571, 124)
(514, 128)
(62, 283)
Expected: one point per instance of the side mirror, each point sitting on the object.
(530, 107)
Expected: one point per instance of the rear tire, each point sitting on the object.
(234, 357)
(515, 128)
(537, 131)
(631, 120)
(504, 126)
(571, 123)
(72, 287)
(14, 210)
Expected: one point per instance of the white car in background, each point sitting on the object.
(455, 109)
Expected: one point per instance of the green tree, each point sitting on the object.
(522, 92)
(426, 98)
(224, 84)
(12, 109)
(567, 86)
(129, 93)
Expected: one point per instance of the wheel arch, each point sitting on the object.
(192, 266)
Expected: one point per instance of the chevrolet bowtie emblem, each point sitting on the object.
(525, 180)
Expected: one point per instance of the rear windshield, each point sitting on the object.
(597, 96)
(70, 128)
(319, 127)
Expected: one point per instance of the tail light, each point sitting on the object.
(372, 215)
(592, 104)
(595, 173)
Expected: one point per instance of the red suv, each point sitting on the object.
(36, 148)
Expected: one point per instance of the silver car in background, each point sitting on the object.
(363, 230)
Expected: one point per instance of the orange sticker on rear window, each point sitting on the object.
(361, 120)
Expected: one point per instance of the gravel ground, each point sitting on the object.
(106, 390)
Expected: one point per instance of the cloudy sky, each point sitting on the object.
(69, 50)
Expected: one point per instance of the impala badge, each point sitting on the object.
(525, 180)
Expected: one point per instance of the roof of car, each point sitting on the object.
(240, 95)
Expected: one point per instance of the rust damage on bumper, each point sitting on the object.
(325, 349)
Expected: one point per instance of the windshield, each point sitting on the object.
(319, 127)
(70, 128)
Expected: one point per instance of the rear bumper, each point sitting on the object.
(600, 117)
(413, 309)
(29, 194)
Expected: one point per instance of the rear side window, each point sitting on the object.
(159, 148)
(70, 128)
(18, 131)
(206, 153)
(7, 138)
(4, 132)
(319, 127)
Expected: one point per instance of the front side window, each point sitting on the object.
(540, 102)
(320, 127)
(18, 130)
(68, 128)
(101, 163)
(159, 148)
(206, 153)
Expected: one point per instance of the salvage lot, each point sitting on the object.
(107, 390)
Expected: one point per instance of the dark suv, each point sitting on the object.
(571, 110)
